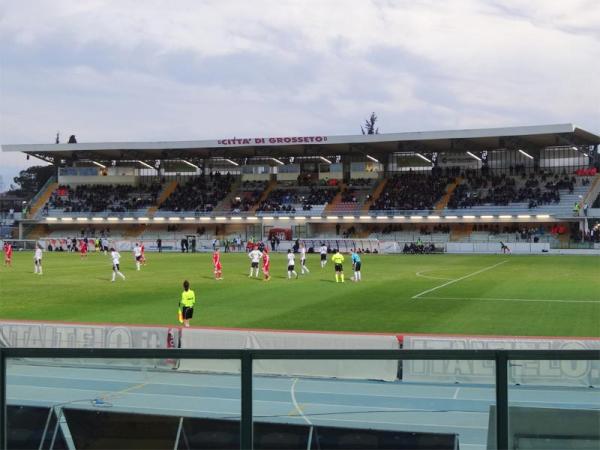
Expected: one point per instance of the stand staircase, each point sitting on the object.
(41, 198)
(460, 232)
(272, 184)
(443, 202)
(332, 205)
(376, 193)
(165, 194)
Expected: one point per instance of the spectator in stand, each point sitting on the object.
(412, 191)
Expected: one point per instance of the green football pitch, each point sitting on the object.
(456, 294)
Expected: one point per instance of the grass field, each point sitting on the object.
(458, 294)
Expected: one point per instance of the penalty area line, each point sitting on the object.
(458, 279)
(513, 299)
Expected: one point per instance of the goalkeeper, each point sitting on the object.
(186, 305)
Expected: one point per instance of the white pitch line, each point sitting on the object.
(420, 274)
(458, 279)
(513, 299)
(296, 405)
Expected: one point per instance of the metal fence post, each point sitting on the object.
(501, 401)
(2, 400)
(246, 427)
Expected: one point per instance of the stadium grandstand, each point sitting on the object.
(531, 183)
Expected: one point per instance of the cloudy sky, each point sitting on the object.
(109, 70)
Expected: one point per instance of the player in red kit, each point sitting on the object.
(83, 249)
(217, 264)
(8, 254)
(266, 268)
(143, 254)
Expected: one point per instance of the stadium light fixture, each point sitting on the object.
(81, 219)
(300, 218)
(283, 218)
(322, 158)
(112, 219)
(315, 217)
(487, 217)
(278, 161)
(524, 216)
(451, 217)
(416, 217)
(145, 164)
(128, 219)
(472, 155)
(423, 157)
(236, 218)
(505, 216)
(468, 217)
(143, 219)
(220, 218)
(267, 218)
(348, 217)
(190, 219)
(231, 161)
(585, 154)
(66, 219)
(51, 219)
(574, 148)
(189, 164)
(332, 217)
(433, 217)
(159, 219)
(543, 216)
(205, 219)
(173, 219)
(525, 154)
(97, 219)
(398, 217)
(373, 159)
(252, 218)
(98, 164)
(382, 217)
(365, 217)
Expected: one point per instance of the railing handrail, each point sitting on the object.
(291, 354)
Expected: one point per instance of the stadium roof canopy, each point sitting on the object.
(378, 145)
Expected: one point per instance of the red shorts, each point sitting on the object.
(266, 268)
(218, 267)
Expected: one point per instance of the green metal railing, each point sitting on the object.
(246, 357)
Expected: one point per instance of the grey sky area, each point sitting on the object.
(161, 70)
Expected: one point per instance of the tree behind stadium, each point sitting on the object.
(369, 127)
(31, 180)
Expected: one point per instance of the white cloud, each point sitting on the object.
(191, 69)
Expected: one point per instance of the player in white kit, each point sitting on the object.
(323, 252)
(255, 256)
(116, 257)
(303, 259)
(291, 263)
(37, 260)
(137, 253)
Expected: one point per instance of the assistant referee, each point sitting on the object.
(188, 299)
(338, 260)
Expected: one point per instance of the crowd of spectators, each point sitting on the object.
(103, 197)
(481, 187)
(412, 191)
(250, 195)
(199, 194)
(286, 200)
